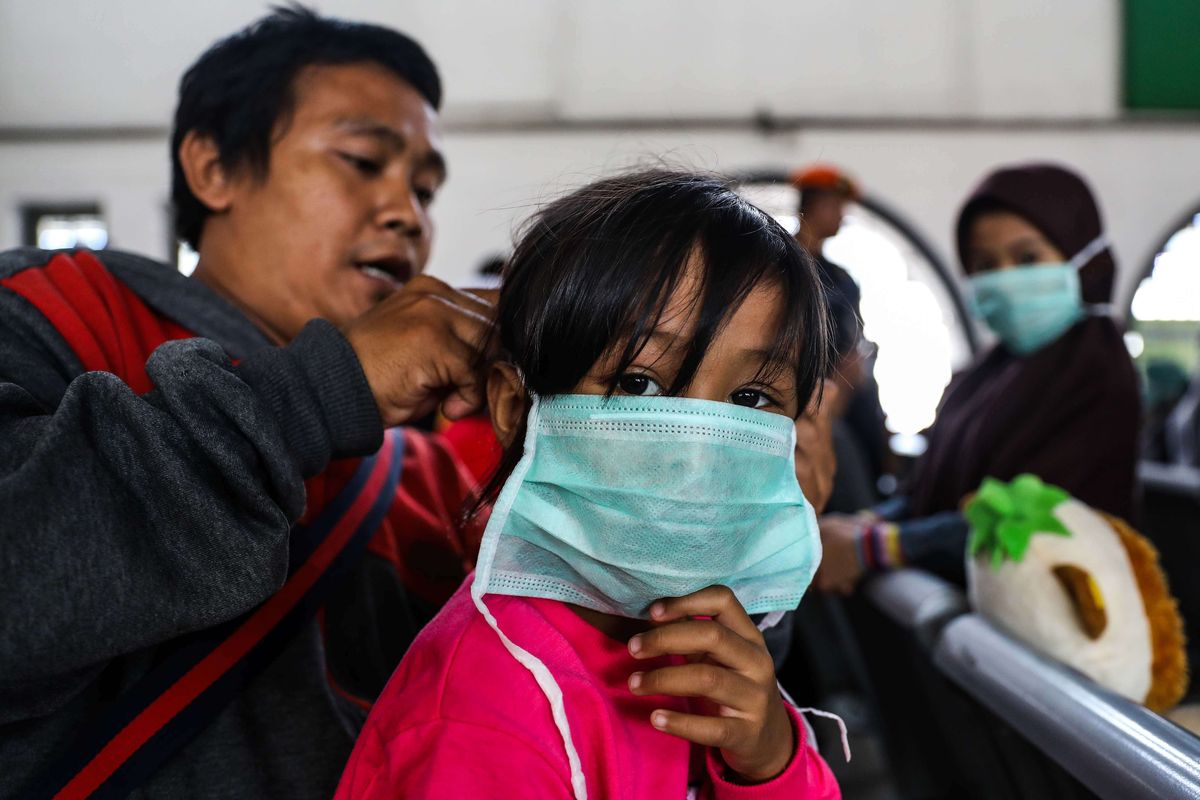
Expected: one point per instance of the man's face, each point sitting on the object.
(823, 214)
(342, 218)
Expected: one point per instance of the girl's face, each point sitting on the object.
(1003, 240)
(731, 371)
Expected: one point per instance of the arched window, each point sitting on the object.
(1164, 334)
(911, 308)
(1165, 310)
(64, 226)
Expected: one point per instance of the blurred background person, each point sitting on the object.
(858, 431)
(1056, 396)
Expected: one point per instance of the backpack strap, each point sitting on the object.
(200, 673)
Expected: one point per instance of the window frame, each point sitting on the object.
(31, 212)
(890, 215)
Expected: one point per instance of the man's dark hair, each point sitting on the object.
(240, 91)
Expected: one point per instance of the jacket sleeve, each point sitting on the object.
(937, 543)
(806, 777)
(128, 520)
(445, 758)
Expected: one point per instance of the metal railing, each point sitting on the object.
(1116, 748)
(1176, 479)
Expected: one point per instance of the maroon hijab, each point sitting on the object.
(1068, 412)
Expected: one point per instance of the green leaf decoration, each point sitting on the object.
(1005, 516)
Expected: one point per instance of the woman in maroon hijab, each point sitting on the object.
(1057, 396)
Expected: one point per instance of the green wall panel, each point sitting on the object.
(1162, 54)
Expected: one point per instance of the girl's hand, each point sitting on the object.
(729, 667)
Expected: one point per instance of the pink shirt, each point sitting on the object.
(462, 718)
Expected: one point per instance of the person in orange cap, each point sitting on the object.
(858, 433)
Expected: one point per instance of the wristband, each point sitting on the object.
(878, 547)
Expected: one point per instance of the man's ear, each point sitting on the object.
(506, 401)
(210, 182)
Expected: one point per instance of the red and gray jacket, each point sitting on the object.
(156, 455)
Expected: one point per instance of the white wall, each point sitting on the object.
(117, 62)
(1145, 176)
(610, 71)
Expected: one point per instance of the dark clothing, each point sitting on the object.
(149, 480)
(865, 420)
(1068, 413)
(863, 415)
(854, 484)
(845, 304)
(936, 543)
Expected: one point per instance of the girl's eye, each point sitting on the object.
(635, 384)
(750, 398)
(1029, 258)
(366, 166)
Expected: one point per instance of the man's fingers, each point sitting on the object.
(464, 401)
(489, 296)
(460, 312)
(477, 301)
(717, 732)
(449, 379)
(722, 686)
(460, 382)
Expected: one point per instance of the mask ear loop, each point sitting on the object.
(770, 621)
(1092, 249)
(819, 713)
(1084, 257)
(487, 556)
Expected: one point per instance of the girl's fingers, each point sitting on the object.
(720, 732)
(722, 686)
(701, 637)
(718, 602)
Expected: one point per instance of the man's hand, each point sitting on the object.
(421, 347)
(730, 668)
(816, 463)
(840, 569)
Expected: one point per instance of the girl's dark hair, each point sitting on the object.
(240, 91)
(595, 269)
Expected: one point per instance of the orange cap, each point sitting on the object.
(828, 178)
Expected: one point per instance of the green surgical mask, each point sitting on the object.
(1031, 306)
(622, 501)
